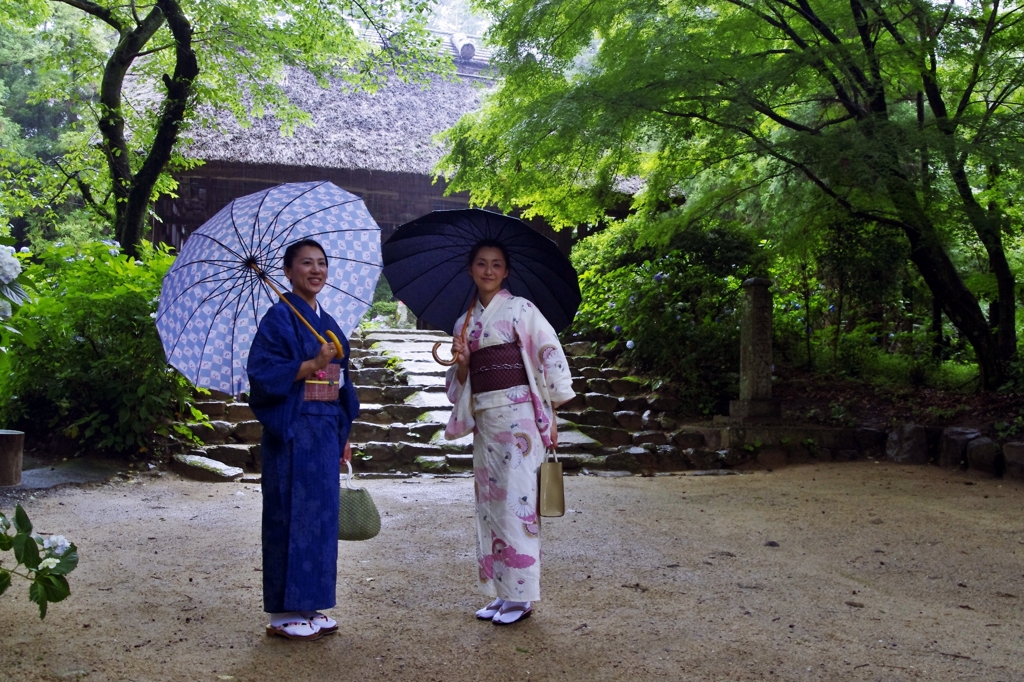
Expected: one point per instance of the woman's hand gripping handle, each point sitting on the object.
(460, 349)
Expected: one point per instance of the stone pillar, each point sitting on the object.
(755, 353)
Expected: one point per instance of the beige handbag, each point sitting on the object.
(550, 488)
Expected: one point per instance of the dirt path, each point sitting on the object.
(882, 572)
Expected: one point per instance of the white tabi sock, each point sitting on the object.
(512, 611)
(279, 619)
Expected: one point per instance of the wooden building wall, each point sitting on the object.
(391, 198)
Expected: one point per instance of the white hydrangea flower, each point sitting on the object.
(10, 267)
(58, 543)
(5, 309)
(25, 249)
(49, 562)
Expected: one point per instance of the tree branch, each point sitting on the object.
(972, 82)
(98, 11)
(179, 92)
(154, 50)
(816, 61)
(84, 190)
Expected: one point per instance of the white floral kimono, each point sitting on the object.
(511, 430)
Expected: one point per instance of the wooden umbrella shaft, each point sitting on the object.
(465, 325)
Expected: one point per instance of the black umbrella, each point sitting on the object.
(425, 264)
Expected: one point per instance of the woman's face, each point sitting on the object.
(488, 270)
(308, 272)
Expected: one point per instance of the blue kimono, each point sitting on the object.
(301, 451)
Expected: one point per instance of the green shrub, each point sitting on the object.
(382, 308)
(382, 292)
(675, 314)
(88, 361)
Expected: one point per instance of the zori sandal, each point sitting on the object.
(512, 612)
(488, 612)
(295, 629)
(326, 624)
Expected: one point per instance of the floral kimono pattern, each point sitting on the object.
(511, 430)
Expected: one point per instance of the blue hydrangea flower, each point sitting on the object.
(630, 345)
(617, 329)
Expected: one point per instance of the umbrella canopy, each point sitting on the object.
(219, 287)
(425, 264)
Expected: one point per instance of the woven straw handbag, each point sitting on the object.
(358, 518)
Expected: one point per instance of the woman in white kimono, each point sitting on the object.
(510, 375)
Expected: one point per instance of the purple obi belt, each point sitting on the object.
(496, 368)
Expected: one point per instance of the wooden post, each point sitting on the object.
(12, 443)
(464, 46)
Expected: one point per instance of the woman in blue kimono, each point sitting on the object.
(301, 393)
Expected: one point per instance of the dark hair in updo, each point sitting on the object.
(488, 243)
(293, 249)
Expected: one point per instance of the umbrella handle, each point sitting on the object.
(455, 357)
(446, 363)
(337, 344)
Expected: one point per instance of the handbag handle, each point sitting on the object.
(348, 479)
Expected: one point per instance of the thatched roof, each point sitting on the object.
(390, 130)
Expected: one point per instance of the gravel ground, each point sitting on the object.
(882, 572)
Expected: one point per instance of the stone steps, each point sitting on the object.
(614, 425)
(610, 424)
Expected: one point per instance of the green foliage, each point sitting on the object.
(46, 562)
(854, 136)
(382, 292)
(675, 314)
(383, 309)
(1011, 428)
(103, 92)
(88, 361)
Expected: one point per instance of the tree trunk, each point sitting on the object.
(111, 121)
(941, 276)
(132, 220)
(988, 224)
(937, 340)
(133, 192)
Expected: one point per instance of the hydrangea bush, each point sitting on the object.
(88, 361)
(44, 562)
(671, 311)
(12, 293)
